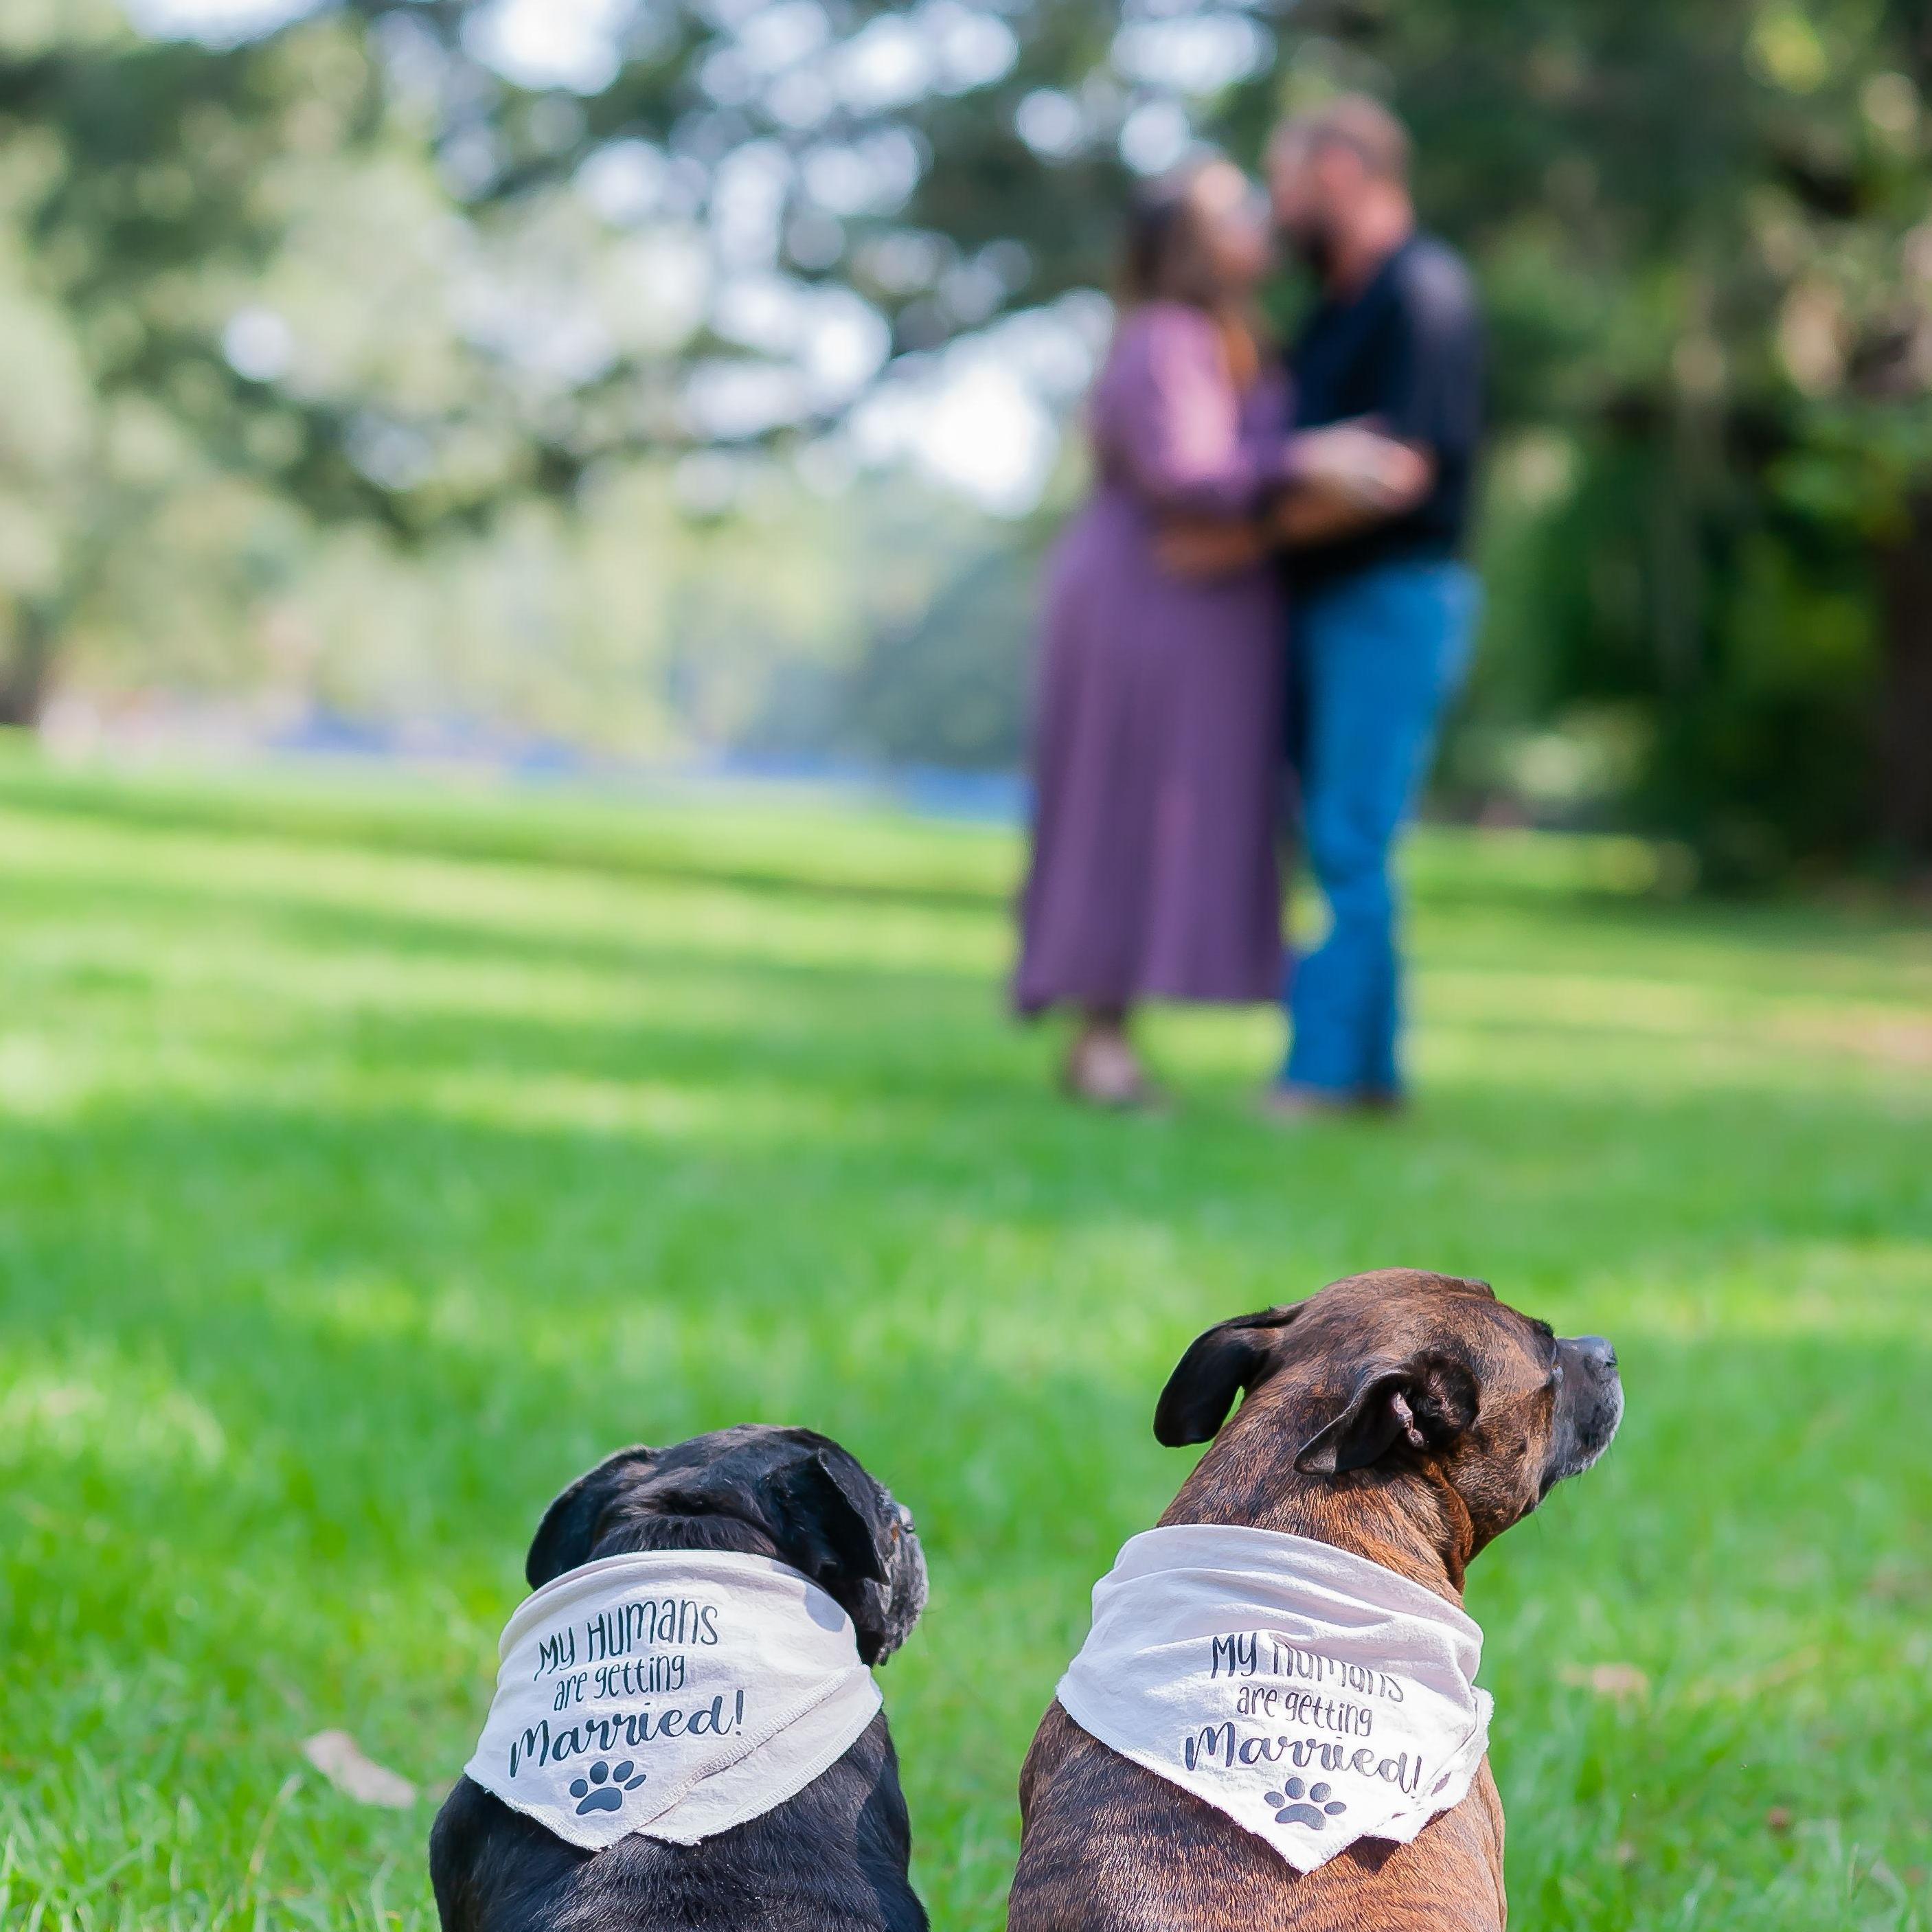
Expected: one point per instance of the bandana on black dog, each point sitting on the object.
(674, 1694)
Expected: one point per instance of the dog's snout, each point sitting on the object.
(1597, 1351)
(1589, 1406)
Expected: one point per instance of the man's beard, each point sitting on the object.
(1313, 244)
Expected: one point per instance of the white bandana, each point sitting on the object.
(1314, 1697)
(675, 1693)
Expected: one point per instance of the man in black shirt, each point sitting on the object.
(1382, 607)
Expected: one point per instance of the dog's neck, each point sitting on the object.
(1405, 1516)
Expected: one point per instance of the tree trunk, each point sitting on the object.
(24, 675)
(1905, 721)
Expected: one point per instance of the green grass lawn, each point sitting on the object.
(370, 1165)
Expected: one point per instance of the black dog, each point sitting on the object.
(832, 1859)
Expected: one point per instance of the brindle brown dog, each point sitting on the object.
(1410, 1418)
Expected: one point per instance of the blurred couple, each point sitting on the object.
(1264, 590)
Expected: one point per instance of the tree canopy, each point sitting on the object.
(407, 267)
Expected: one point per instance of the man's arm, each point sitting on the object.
(1325, 509)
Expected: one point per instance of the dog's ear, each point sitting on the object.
(855, 1543)
(829, 1518)
(1231, 1357)
(1425, 1404)
(568, 1531)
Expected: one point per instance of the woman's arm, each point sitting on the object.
(1175, 422)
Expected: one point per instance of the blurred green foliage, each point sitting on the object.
(363, 361)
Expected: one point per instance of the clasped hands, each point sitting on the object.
(1342, 478)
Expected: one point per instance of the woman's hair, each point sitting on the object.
(1168, 253)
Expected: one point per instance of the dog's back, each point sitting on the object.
(832, 1859)
(1109, 1847)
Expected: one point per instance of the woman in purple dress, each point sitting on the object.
(1158, 737)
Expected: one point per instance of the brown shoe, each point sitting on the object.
(1288, 1104)
(1386, 1101)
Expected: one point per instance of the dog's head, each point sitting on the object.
(787, 1493)
(1393, 1371)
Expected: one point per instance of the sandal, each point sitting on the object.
(1103, 1070)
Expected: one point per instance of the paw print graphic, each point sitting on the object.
(1297, 1804)
(603, 1789)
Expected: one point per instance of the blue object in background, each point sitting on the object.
(1376, 657)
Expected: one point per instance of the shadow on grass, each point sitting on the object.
(474, 1284)
(646, 841)
(875, 1026)
(630, 846)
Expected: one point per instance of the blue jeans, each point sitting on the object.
(1378, 656)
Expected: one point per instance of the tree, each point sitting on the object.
(1699, 227)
